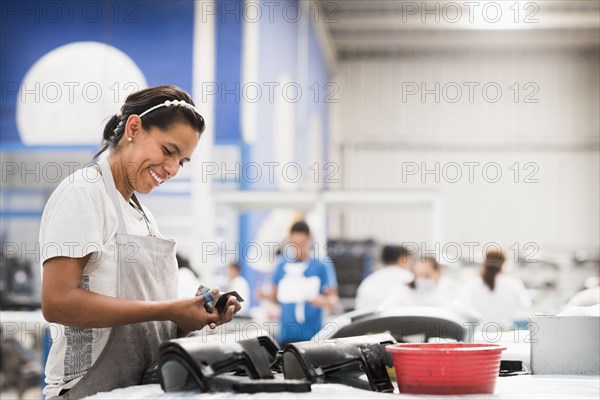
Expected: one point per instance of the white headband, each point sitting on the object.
(169, 103)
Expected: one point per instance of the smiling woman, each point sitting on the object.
(152, 137)
(108, 273)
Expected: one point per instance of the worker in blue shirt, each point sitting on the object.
(304, 286)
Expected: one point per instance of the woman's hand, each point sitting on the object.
(190, 315)
(230, 309)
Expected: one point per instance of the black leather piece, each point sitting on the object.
(263, 352)
(375, 360)
(151, 375)
(329, 361)
(512, 368)
(192, 363)
(260, 355)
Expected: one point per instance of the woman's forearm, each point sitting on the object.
(83, 308)
(65, 302)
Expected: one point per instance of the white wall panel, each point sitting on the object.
(372, 104)
(376, 135)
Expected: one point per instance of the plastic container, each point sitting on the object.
(446, 368)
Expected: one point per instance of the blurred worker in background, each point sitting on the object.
(393, 277)
(188, 278)
(430, 286)
(304, 286)
(585, 298)
(499, 298)
(590, 295)
(238, 283)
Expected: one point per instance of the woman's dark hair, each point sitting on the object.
(492, 265)
(162, 118)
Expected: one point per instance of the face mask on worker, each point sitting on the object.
(424, 284)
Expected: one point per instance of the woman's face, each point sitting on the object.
(154, 156)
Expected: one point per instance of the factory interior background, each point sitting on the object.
(446, 130)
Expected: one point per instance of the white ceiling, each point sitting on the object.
(359, 28)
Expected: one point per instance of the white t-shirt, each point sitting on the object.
(502, 306)
(377, 287)
(79, 219)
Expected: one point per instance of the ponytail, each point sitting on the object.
(113, 131)
(492, 265)
(489, 277)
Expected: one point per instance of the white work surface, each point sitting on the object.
(510, 387)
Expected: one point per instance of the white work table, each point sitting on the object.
(510, 387)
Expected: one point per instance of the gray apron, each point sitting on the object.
(146, 270)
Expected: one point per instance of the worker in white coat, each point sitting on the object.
(496, 296)
(430, 287)
(108, 274)
(391, 279)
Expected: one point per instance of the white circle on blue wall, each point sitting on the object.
(67, 95)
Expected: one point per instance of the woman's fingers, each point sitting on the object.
(232, 301)
(232, 307)
(190, 314)
(217, 318)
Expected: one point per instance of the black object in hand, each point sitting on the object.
(222, 300)
(210, 303)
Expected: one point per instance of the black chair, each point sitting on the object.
(401, 323)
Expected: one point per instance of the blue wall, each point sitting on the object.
(158, 39)
(278, 55)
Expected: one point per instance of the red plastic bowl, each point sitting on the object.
(446, 368)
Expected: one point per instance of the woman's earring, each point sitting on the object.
(129, 139)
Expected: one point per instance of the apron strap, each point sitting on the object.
(113, 193)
